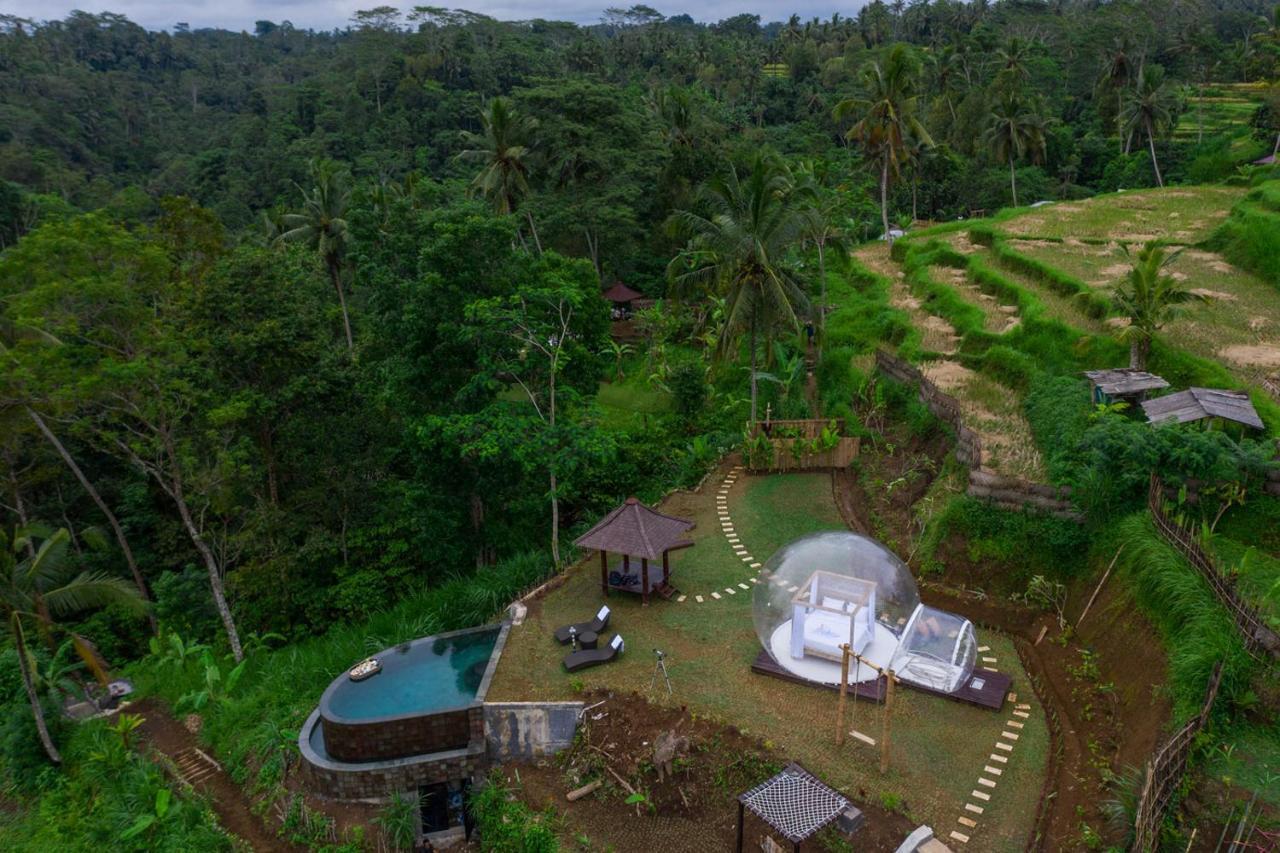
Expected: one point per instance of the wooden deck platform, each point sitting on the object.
(995, 685)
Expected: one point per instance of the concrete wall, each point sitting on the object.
(521, 731)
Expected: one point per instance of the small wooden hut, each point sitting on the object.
(1123, 385)
(623, 299)
(634, 531)
(1198, 404)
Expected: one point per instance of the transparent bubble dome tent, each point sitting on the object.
(828, 589)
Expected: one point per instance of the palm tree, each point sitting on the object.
(322, 225)
(1150, 108)
(41, 587)
(1151, 298)
(823, 227)
(502, 151)
(1013, 58)
(1118, 71)
(741, 246)
(1015, 131)
(884, 109)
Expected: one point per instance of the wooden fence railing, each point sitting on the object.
(1258, 636)
(1164, 773)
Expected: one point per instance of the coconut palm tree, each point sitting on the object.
(1150, 108)
(740, 244)
(42, 586)
(1151, 298)
(884, 113)
(1119, 68)
(1015, 131)
(824, 228)
(502, 150)
(322, 225)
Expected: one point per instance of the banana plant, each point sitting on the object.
(147, 822)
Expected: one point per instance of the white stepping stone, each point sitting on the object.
(747, 558)
(984, 648)
(1014, 724)
(730, 590)
(1022, 707)
(1009, 735)
(970, 807)
(985, 782)
(960, 836)
(1002, 759)
(1013, 697)
(988, 660)
(698, 599)
(1006, 747)
(981, 795)
(755, 565)
(716, 596)
(755, 580)
(681, 599)
(994, 771)
(964, 821)
(743, 585)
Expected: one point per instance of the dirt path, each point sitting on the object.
(162, 733)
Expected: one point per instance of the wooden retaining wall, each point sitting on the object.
(1006, 492)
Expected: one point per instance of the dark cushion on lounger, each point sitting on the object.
(597, 625)
(586, 658)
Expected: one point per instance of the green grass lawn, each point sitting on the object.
(940, 747)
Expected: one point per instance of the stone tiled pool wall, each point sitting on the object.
(405, 736)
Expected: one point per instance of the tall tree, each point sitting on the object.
(41, 587)
(1015, 131)
(824, 228)
(322, 225)
(502, 150)
(741, 244)
(1150, 108)
(884, 113)
(1151, 298)
(1119, 68)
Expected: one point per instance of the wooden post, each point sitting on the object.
(884, 730)
(644, 581)
(604, 573)
(844, 692)
(666, 568)
(740, 810)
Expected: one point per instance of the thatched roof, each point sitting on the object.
(1198, 403)
(636, 530)
(620, 294)
(1125, 381)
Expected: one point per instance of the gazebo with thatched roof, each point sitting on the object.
(633, 530)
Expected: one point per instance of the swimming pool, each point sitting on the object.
(427, 698)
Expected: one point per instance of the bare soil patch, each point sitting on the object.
(1261, 355)
(693, 808)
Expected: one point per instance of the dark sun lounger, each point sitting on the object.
(597, 625)
(575, 661)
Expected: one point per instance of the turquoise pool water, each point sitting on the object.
(427, 676)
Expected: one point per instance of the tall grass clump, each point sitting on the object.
(506, 825)
(1197, 630)
(1250, 236)
(862, 316)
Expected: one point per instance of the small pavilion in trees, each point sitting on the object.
(623, 299)
(636, 536)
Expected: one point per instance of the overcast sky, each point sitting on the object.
(326, 14)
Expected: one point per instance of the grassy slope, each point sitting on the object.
(939, 747)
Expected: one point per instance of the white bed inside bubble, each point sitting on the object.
(828, 589)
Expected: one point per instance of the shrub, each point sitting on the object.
(507, 825)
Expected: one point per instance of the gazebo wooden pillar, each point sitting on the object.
(635, 530)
